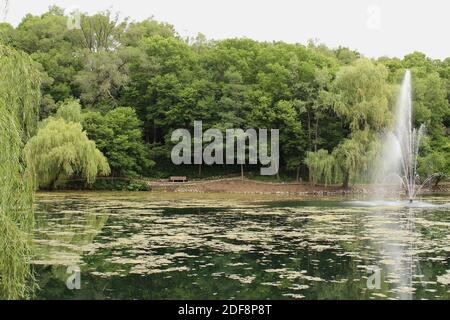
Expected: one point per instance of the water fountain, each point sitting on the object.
(402, 145)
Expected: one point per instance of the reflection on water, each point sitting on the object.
(396, 238)
(169, 246)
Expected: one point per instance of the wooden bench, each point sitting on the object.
(178, 179)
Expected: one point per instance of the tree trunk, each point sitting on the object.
(316, 133)
(298, 174)
(436, 183)
(346, 182)
(242, 172)
(199, 170)
(309, 132)
(52, 185)
(311, 178)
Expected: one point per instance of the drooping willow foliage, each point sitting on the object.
(357, 156)
(359, 96)
(351, 161)
(323, 167)
(61, 150)
(70, 111)
(19, 101)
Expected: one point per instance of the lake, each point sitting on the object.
(222, 246)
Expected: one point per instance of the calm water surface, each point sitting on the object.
(170, 246)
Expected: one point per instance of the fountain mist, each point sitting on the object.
(402, 145)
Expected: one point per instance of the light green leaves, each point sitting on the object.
(19, 101)
(62, 150)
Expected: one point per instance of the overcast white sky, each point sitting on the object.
(373, 27)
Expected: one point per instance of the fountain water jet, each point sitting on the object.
(402, 146)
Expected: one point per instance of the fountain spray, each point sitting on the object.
(402, 151)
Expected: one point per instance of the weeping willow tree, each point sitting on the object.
(19, 101)
(62, 150)
(356, 156)
(360, 95)
(351, 161)
(322, 167)
(70, 111)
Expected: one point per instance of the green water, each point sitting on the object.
(180, 246)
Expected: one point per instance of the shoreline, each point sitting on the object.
(253, 187)
(247, 186)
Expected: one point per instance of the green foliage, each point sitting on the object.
(435, 163)
(322, 167)
(6, 33)
(61, 150)
(361, 95)
(137, 31)
(19, 101)
(120, 185)
(101, 31)
(103, 76)
(431, 97)
(356, 156)
(50, 43)
(118, 135)
(70, 111)
(431, 106)
(319, 98)
(329, 104)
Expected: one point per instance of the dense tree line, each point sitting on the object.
(136, 82)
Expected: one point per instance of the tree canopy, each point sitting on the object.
(137, 82)
(62, 150)
(119, 136)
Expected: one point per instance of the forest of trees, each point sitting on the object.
(128, 85)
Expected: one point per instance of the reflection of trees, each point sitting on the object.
(329, 247)
(342, 273)
(395, 240)
(73, 232)
(61, 241)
